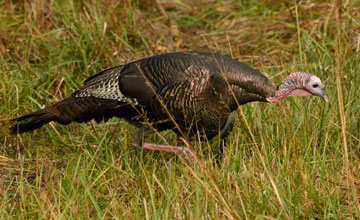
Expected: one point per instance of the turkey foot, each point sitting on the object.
(186, 152)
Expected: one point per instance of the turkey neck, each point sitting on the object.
(293, 81)
(247, 85)
(249, 89)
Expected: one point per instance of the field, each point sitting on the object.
(296, 159)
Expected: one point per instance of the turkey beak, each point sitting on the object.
(322, 95)
(325, 98)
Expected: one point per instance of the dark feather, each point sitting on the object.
(196, 90)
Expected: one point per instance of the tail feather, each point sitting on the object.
(78, 109)
(32, 121)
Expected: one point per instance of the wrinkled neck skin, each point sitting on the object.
(292, 85)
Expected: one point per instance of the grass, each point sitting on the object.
(298, 159)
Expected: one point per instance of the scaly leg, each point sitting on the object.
(144, 132)
(168, 148)
(226, 130)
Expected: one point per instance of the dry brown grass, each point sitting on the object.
(285, 160)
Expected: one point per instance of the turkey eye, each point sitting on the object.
(315, 85)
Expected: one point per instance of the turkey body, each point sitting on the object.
(188, 92)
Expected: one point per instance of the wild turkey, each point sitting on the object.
(188, 92)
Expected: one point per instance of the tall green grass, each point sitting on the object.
(284, 160)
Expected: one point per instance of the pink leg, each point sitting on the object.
(167, 148)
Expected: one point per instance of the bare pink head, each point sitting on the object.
(300, 84)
